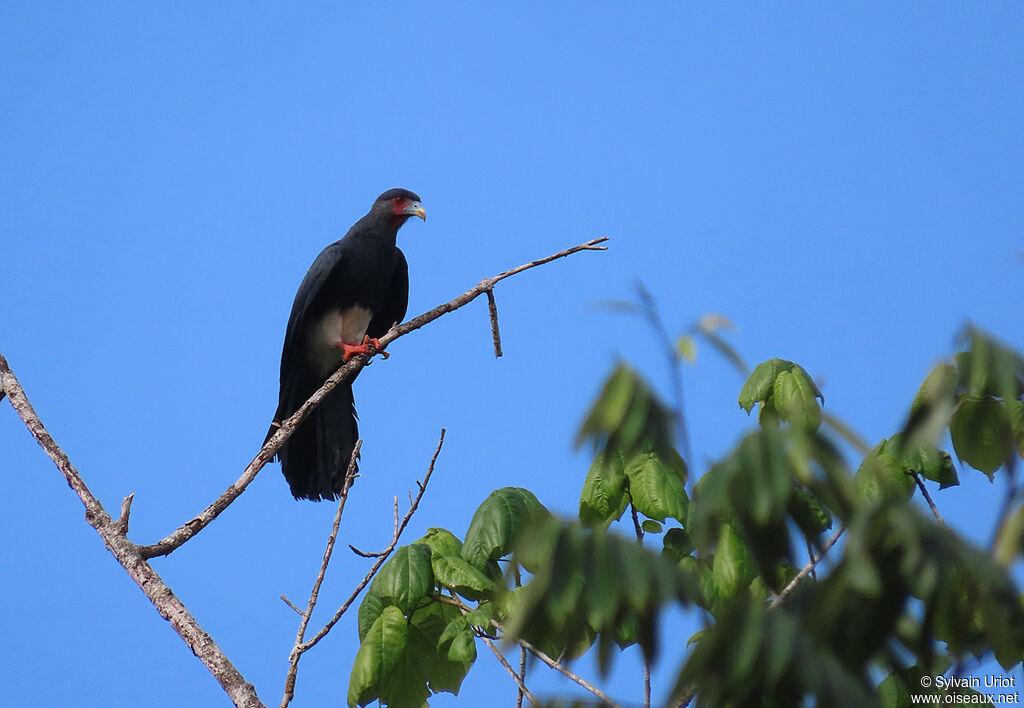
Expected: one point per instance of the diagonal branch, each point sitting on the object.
(806, 570)
(552, 663)
(345, 373)
(126, 553)
(399, 528)
(293, 667)
(927, 497)
(523, 690)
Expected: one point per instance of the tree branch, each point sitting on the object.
(806, 570)
(345, 373)
(492, 307)
(399, 528)
(928, 497)
(523, 690)
(553, 663)
(293, 657)
(167, 604)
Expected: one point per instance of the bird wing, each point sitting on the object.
(303, 305)
(396, 302)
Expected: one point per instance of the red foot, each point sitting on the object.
(350, 350)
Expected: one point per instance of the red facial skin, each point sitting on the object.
(399, 206)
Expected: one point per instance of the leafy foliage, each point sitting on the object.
(902, 596)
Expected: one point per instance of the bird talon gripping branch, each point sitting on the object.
(367, 339)
(350, 350)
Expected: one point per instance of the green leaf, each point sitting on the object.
(795, 398)
(628, 416)
(454, 573)
(498, 523)
(883, 477)
(378, 655)
(369, 610)
(455, 626)
(406, 578)
(655, 488)
(604, 492)
(732, 567)
(425, 667)
(651, 526)
(758, 387)
(611, 406)
(442, 542)
(981, 433)
(463, 648)
(677, 544)
(1015, 413)
(687, 348)
(482, 615)
(1010, 538)
(809, 513)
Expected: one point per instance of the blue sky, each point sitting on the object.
(843, 181)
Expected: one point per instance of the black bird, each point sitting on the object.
(354, 291)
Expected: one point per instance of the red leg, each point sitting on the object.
(367, 339)
(350, 350)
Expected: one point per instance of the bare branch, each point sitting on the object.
(291, 605)
(523, 690)
(806, 570)
(928, 497)
(562, 669)
(126, 512)
(293, 657)
(167, 604)
(522, 649)
(553, 663)
(345, 373)
(492, 307)
(306, 646)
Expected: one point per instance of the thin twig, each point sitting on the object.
(167, 604)
(293, 657)
(306, 646)
(492, 307)
(522, 649)
(650, 308)
(928, 497)
(806, 570)
(125, 515)
(647, 665)
(561, 668)
(291, 605)
(553, 663)
(810, 558)
(345, 373)
(523, 690)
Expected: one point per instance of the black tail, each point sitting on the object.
(315, 458)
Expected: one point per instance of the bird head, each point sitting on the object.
(400, 204)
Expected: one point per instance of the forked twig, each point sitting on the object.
(293, 657)
(806, 570)
(552, 663)
(309, 644)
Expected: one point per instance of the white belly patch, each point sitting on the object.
(348, 326)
